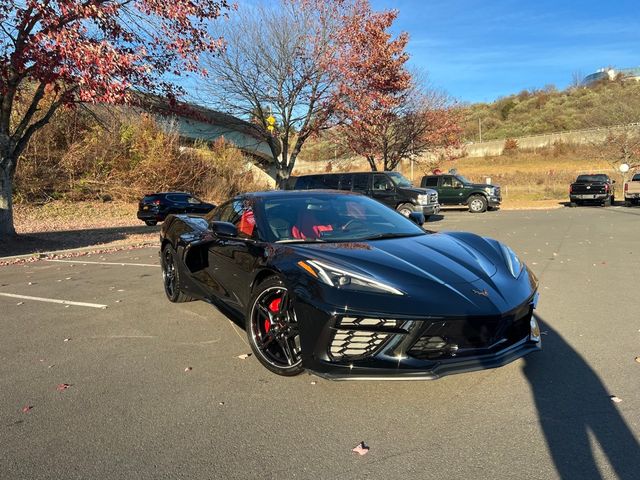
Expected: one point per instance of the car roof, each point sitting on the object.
(295, 193)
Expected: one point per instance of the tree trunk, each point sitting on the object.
(7, 230)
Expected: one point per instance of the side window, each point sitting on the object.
(193, 201)
(346, 181)
(381, 183)
(431, 182)
(240, 214)
(360, 183)
(447, 182)
(331, 181)
(310, 182)
(456, 182)
(222, 213)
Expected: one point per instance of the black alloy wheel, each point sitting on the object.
(170, 277)
(272, 328)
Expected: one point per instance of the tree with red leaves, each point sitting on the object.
(385, 113)
(58, 53)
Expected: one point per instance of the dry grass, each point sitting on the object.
(63, 216)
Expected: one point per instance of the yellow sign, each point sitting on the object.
(270, 128)
(271, 121)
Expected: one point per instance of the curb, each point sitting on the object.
(72, 251)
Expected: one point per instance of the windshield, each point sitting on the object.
(464, 179)
(399, 179)
(636, 178)
(332, 218)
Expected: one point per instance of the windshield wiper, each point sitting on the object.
(383, 236)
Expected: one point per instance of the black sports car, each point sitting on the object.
(346, 287)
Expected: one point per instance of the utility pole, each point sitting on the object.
(480, 128)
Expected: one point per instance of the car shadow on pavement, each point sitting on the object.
(573, 405)
(31, 243)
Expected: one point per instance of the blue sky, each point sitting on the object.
(481, 50)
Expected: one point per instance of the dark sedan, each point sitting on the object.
(344, 286)
(155, 207)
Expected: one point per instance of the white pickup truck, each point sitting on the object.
(632, 191)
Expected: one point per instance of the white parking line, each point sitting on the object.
(53, 300)
(81, 262)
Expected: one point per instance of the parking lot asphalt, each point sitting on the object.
(156, 390)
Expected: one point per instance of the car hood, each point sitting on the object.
(417, 190)
(453, 273)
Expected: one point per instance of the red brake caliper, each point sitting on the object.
(274, 307)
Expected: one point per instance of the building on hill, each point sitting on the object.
(610, 74)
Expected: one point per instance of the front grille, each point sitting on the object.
(497, 194)
(433, 198)
(472, 335)
(360, 337)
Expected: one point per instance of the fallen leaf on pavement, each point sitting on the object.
(62, 387)
(66, 339)
(615, 399)
(188, 369)
(220, 403)
(244, 356)
(638, 359)
(20, 303)
(27, 408)
(313, 382)
(361, 449)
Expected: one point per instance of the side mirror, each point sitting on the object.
(223, 229)
(417, 218)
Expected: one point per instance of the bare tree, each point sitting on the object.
(273, 73)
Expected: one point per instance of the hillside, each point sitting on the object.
(550, 110)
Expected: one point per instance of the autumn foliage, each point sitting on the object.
(61, 52)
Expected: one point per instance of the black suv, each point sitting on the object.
(457, 190)
(155, 207)
(390, 188)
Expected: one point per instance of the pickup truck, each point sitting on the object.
(632, 191)
(457, 190)
(594, 188)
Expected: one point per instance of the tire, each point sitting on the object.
(627, 203)
(477, 204)
(426, 218)
(150, 223)
(573, 204)
(405, 209)
(272, 328)
(613, 200)
(171, 277)
(607, 202)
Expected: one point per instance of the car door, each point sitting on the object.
(446, 193)
(178, 203)
(232, 260)
(383, 190)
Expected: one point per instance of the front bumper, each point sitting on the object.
(494, 201)
(373, 348)
(427, 210)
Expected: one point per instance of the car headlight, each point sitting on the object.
(513, 262)
(423, 199)
(344, 279)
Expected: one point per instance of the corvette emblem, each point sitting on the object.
(482, 293)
